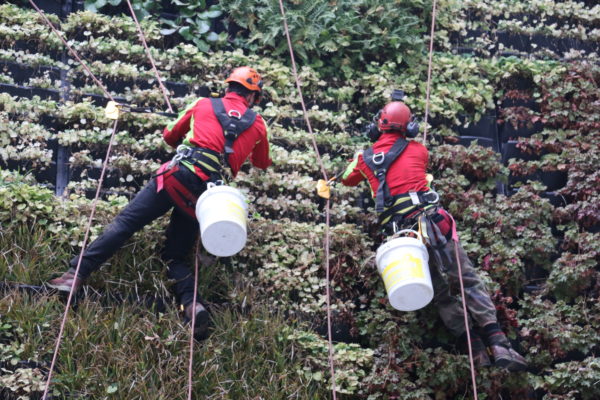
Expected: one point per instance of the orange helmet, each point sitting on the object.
(395, 116)
(246, 77)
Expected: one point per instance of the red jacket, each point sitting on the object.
(406, 174)
(197, 126)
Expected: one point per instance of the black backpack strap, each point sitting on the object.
(380, 163)
(232, 122)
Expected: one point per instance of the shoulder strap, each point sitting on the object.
(380, 163)
(232, 122)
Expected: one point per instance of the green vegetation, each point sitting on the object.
(538, 251)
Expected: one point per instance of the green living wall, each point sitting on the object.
(535, 241)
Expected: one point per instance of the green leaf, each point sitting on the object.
(112, 388)
(166, 32)
(202, 27)
(186, 33)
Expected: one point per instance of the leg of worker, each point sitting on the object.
(480, 305)
(451, 312)
(481, 308)
(181, 237)
(143, 209)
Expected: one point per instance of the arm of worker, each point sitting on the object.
(175, 132)
(353, 175)
(260, 156)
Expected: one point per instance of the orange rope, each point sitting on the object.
(433, 15)
(85, 239)
(464, 305)
(454, 234)
(327, 205)
(143, 39)
(193, 322)
(94, 203)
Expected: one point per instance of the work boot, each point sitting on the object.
(201, 321)
(507, 357)
(64, 282)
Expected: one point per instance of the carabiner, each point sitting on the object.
(378, 158)
(235, 114)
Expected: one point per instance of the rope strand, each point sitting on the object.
(429, 68)
(326, 239)
(464, 305)
(85, 239)
(193, 322)
(73, 52)
(156, 73)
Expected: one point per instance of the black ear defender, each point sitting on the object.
(372, 131)
(412, 128)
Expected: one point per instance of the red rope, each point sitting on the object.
(143, 39)
(94, 203)
(454, 234)
(464, 306)
(73, 52)
(190, 366)
(85, 239)
(433, 15)
(326, 239)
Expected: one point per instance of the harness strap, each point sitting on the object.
(405, 203)
(233, 124)
(380, 163)
(205, 159)
(180, 194)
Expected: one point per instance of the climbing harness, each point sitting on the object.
(233, 124)
(395, 208)
(379, 163)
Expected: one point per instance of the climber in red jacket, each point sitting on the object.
(213, 136)
(396, 171)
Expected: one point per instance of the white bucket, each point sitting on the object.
(222, 213)
(403, 264)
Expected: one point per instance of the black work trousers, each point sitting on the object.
(147, 206)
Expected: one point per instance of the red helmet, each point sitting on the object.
(395, 116)
(247, 77)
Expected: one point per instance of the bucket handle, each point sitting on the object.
(210, 185)
(404, 231)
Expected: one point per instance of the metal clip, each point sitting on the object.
(180, 153)
(378, 158)
(235, 114)
(437, 196)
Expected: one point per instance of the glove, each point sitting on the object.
(324, 187)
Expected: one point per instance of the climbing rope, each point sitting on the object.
(115, 115)
(327, 205)
(143, 39)
(94, 202)
(197, 248)
(454, 234)
(193, 322)
(85, 239)
(73, 52)
(429, 68)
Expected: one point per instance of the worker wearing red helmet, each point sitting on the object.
(395, 168)
(213, 137)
